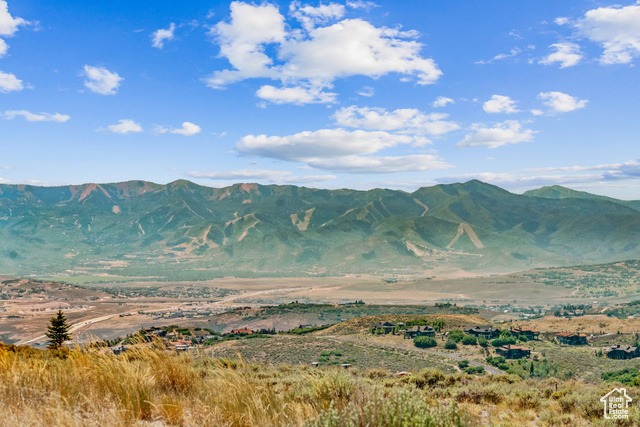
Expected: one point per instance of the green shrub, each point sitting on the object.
(463, 364)
(469, 340)
(482, 342)
(451, 345)
(424, 342)
(456, 335)
(475, 370)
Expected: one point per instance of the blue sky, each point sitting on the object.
(358, 94)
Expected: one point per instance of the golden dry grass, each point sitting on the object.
(150, 386)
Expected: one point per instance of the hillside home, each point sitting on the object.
(621, 352)
(419, 331)
(385, 327)
(529, 334)
(486, 332)
(571, 339)
(513, 352)
(245, 331)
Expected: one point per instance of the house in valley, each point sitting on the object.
(486, 332)
(529, 334)
(513, 352)
(621, 352)
(569, 338)
(419, 331)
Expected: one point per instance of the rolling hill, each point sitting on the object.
(183, 231)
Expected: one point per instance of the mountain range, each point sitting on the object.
(184, 231)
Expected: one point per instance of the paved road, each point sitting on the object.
(455, 356)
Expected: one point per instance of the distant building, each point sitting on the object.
(571, 339)
(487, 332)
(513, 352)
(245, 331)
(118, 349)
(386, 327)
(620, 352)
(529, 334)
(419, 331)
(154, 330)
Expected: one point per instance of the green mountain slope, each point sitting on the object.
(185, 231)
(559, 192)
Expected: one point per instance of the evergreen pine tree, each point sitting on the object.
(58, 331)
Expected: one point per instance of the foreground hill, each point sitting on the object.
(185, 231)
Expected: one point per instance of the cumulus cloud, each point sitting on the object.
(505, 133)
(100, 80)
(187, 129)
(298, 95)
(125, 126)
(340, 150)
(310, 16)
(323, 143)
(616, 29)
(500, 104)
(10, 83)
(559, 102)
(271, 176)
(567, 54)
(315, 56)
(405, 120)
(160, 36)
(442, 101)
(8, 26)
(32, 117)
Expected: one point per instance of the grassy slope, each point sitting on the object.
(147, 386)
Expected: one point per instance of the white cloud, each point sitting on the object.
(187, 129)
(310, 16)
(385, 164)
(500, 104)
(271, 176)
(561, 21)
(360, 4)
(101, 81)
(315, 56)
(367, 91)
(505, 133)
(537, 112)
(9, 83)
(125, 126)
(513, 52)
(340, 150)
(295, 95)
(322, 143)
(616, 29)
(442, 101)
(160, 36)
(567, 54)
(560, 102)
(8, 26)
(31, 117)
(406, 120)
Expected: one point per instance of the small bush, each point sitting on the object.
(469, 340)
(463, 364)
(424, 342)
(451, 345)
(456, 335)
